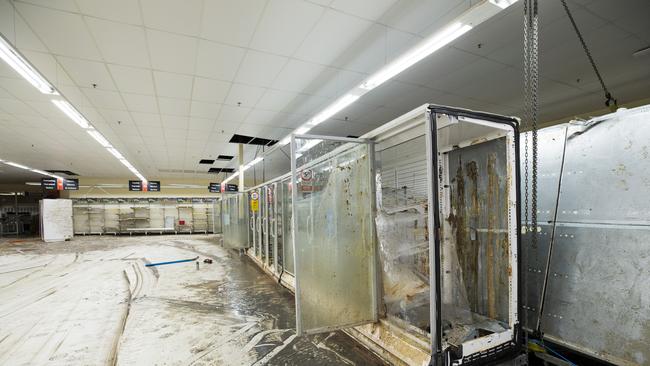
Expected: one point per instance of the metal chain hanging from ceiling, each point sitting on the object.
(609, 100)
(531, 106)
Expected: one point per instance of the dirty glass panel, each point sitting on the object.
(286, 227)
(402, 230)
(235, 220)
(334, 237)
(478, 233)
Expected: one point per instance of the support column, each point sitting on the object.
(241, 167)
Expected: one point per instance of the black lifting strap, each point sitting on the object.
(609, 100)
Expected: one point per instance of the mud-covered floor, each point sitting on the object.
(92, 301)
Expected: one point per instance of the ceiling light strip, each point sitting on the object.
(24, 167)
(459, 26)
(14, 59)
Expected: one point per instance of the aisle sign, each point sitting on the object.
(214, 187)
(54, 184)
(231, 188)
(137, 186)
(153, 186)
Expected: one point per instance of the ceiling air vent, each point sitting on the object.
(225, 157)
(66, 172)
(206, 161)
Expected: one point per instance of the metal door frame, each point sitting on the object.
(438, 355)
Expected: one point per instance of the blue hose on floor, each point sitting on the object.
(171, 262)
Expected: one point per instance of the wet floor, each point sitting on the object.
(94, 301)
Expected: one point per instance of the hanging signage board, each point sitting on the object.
(70, 184)
(150, 186)
(214, 187)
(49, 184)
(153, 186)
(54, 184)
(231, 188)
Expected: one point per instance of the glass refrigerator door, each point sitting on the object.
(333, 233)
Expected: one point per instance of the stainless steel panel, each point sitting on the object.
(598, 296)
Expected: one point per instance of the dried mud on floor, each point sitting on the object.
(92, 301)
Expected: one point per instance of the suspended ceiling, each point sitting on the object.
(170, 82)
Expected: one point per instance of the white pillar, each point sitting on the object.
(241, 167)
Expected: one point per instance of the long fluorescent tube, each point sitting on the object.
(71, 112)
(302, 130)
(13, 58)
(16, 165)
(333, 109)
(99, 138)
(253, 162)
(38, 171)
(422, 50)
(230, 178)
(503, 3)
(115, 153)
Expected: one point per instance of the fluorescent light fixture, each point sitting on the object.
(230, 178)
(285, 141)
(99, 138)
(302, 130)
(333, 109)
(38, 171)
(417, 53)
(16, 165)
(503, 3)
(253, 162)
(71, 112)
(33, 183)
(12, 57)
(115, 153)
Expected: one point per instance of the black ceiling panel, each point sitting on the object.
(66, 172)
(221, 170)
(206, 161)
(225, 157)
(227, 170)
(241, 139)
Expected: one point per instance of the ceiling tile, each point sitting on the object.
(69, 37)
(172, 52)
(173, 85)
(201, 124)
(210, 90)
(296, 75)
(132, 79)
(227, 128)
(140, 103)
(146, 119)
(231, 113)
(260, 69)
(367, 9)
(104, 98)
(218, 61)
(123, 11)
(284, 25)
(173, 16)
(204, 110)
(276, 100)
(244, 95)
(176, 107)
(169, 122)
(86, 73)
(120, 43)
(26, 38)
(333, 34)
(231, 22)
